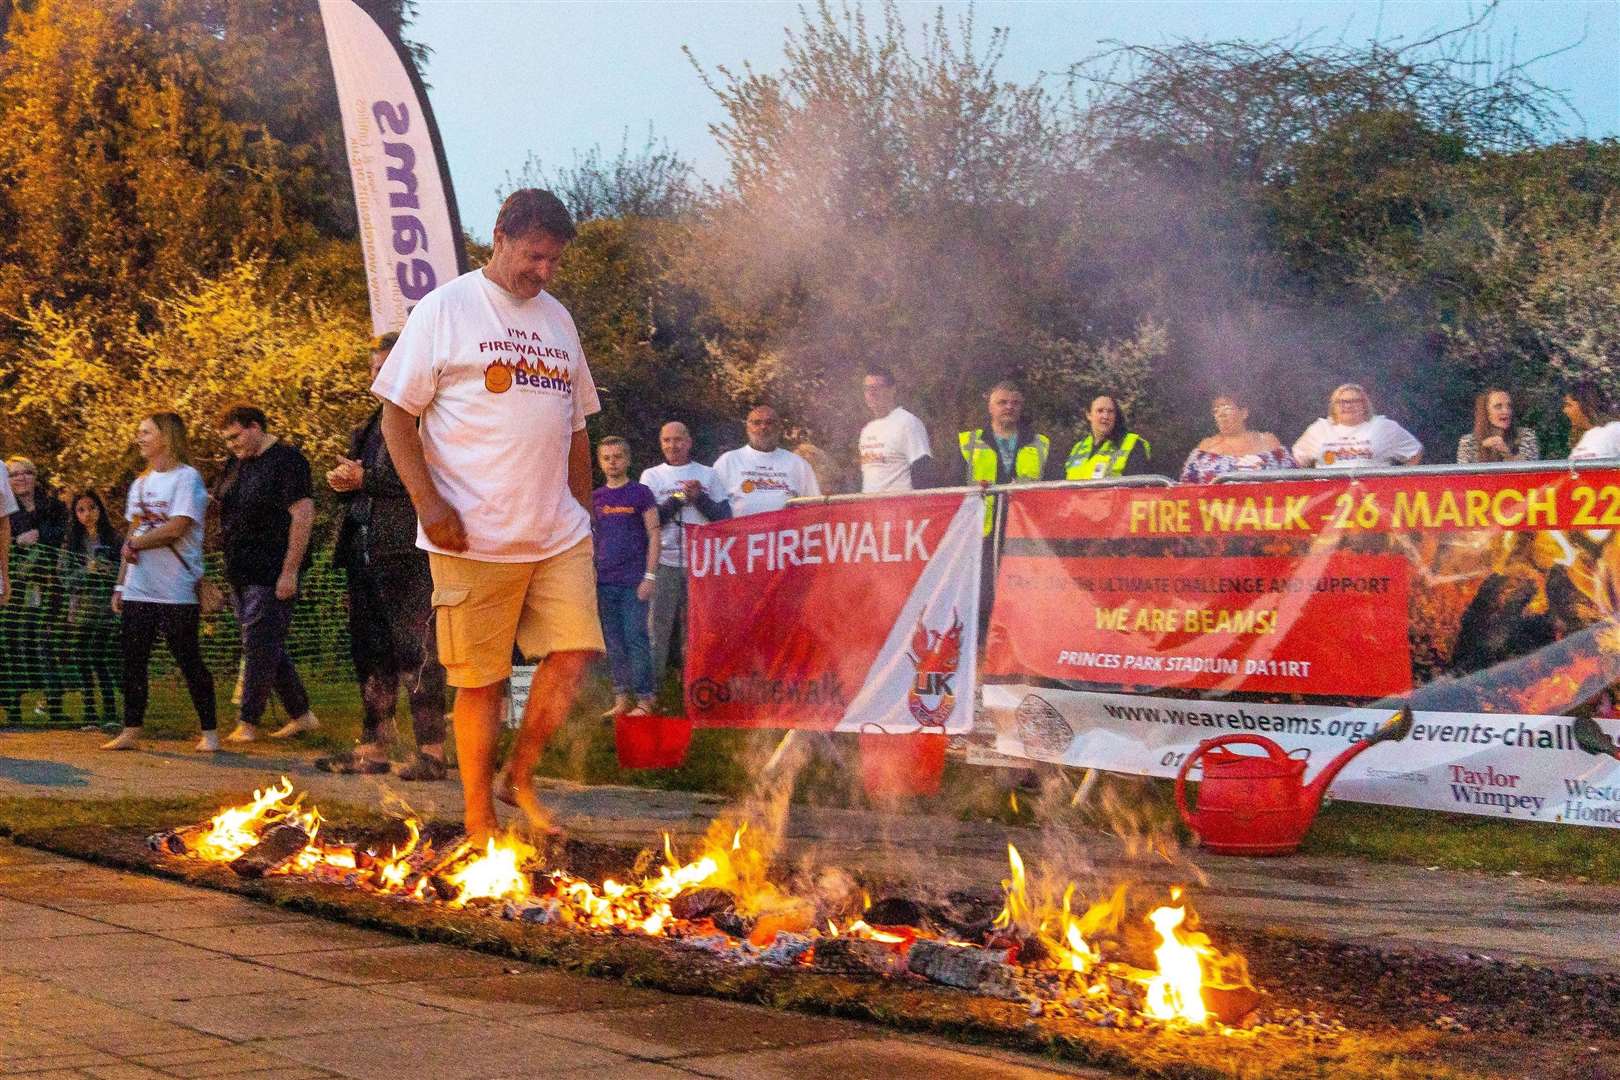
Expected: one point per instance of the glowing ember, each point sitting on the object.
(390, 874)
(497, 873)
(1046, 942)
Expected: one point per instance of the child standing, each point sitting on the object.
(624, 528)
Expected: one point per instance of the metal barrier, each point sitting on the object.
(866, 496)
(1266, 476)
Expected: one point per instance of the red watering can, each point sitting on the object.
(1252, 805)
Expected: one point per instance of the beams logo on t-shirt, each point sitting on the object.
(1346, 451)
(760, 480)
(524, 372)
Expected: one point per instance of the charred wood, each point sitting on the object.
(701, 904)
(858, 956)
(278, 844)
(984, 971)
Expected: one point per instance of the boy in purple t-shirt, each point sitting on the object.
(624, 528)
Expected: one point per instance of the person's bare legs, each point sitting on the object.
(477, 721)
(551, 695)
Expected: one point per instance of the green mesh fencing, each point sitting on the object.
(60, 657)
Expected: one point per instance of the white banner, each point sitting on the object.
(923, 678)
(409, 229)
(1529, 768)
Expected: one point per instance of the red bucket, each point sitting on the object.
(651, 742)
(897, 766)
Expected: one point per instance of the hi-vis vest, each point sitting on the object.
(1099, 462)
(984, 463)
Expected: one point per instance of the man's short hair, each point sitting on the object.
(613, 440)
(1007, 385)
(531, 210)
(878, 371)
(384, 342)
(244, 415)
(758, 405)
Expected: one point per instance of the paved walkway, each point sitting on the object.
(1569, 925)
(120, 976)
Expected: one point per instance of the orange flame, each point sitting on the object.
(1176, 992)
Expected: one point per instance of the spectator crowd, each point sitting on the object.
(470, 531)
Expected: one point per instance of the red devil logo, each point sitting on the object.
(934, 654)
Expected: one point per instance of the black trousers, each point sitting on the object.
(177, 625)
(391, 638)
(95, 654)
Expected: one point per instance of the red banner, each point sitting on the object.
(856, 616)
(1477, 592)
(1511, 501)
(1333, 625)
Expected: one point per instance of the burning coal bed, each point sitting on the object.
(1019, 943)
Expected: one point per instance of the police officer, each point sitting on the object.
(1109, 448)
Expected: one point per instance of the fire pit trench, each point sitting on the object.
(1090, 962)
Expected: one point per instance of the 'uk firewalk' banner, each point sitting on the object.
(410, 232)
(1130, 624)
(852, 616)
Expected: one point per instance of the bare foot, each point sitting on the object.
(522, 796)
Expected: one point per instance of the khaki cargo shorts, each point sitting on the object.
(481, 609)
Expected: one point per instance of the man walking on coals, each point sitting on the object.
(390, 604)
(500, 472)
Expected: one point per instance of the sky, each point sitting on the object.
(554, 78)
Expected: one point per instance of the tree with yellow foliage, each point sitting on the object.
(223, 339)
(156, 154)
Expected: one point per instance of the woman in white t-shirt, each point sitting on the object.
(1352, 436)
(161, 565)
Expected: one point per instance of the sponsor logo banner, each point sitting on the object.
(853, 616)
(1327, 624)
(1529, 768)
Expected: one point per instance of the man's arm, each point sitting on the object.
(923, 473)
(713, 509)
(649, 520)
(303, 520)
(579, 468)
(439, 519)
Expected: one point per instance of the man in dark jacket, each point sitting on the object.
(390, 604)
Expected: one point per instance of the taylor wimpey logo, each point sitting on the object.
(934, 653)
(501, 375)
(1504, 791)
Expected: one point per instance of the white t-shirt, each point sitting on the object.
(8, 501)
(166, 575)
(1598, 442)
(888, 447)
(756, 482)
(1379, 441)
(665, 480)
(501, 385)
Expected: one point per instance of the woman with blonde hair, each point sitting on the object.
(1495, 436)
(157, 583)
(1352, 435)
